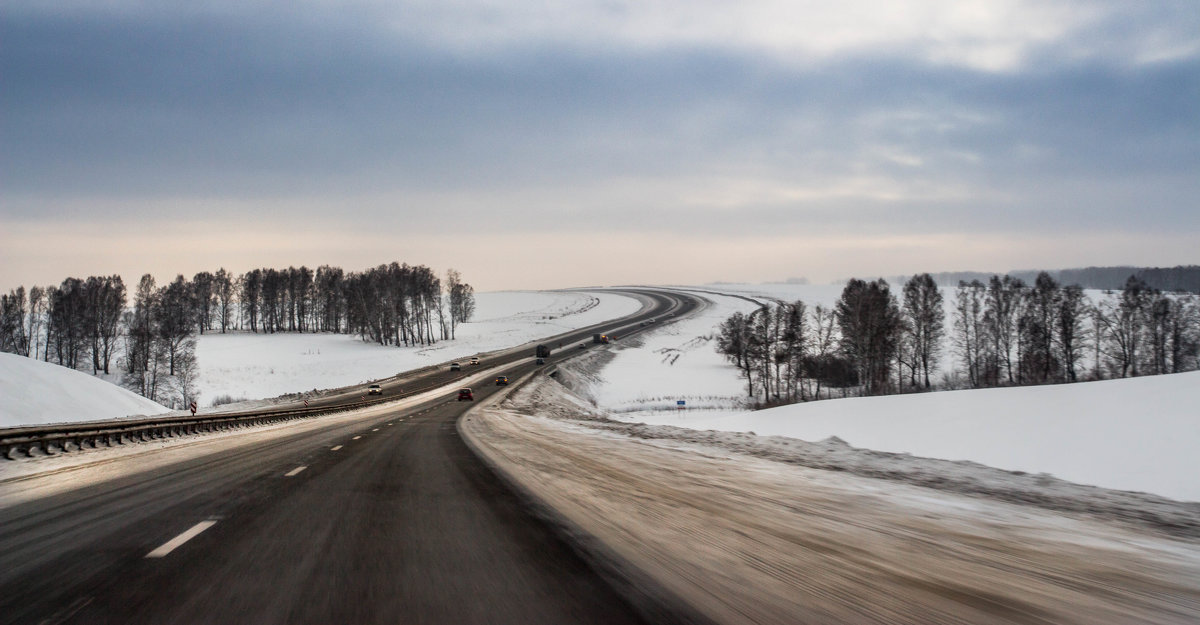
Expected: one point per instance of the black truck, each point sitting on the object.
(543, 351)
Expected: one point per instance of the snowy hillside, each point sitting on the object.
(244, 365)
(253, 366)
(673, 361)
(1137, 434)
(35, 392)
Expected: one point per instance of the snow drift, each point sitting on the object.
(33, 392)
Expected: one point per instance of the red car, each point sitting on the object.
(465, 394)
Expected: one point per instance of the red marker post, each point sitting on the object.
(193, 407)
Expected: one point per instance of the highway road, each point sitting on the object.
(388, 518)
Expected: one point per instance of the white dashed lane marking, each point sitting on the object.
(335, 448)
(356, 438)
(174, 543)
(294, 471)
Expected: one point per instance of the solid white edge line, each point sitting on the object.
(335, 448)
(295, 471)
(174, 543)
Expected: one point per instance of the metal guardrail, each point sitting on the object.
(50, 440)
(65, 438)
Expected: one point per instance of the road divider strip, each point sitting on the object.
(175, 543)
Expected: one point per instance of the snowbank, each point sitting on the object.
(1137, 434)
(33, 392)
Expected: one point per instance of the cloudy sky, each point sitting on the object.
(540, 145)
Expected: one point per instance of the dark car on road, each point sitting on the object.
(502, 381)
(465, 394)
(454, 366)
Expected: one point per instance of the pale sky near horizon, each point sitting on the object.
(597, 141)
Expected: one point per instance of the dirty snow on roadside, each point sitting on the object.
(751, 529)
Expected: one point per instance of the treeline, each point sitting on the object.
(1166, 279)
(1010, 333)
(84, 322)
(77, 322)
(1003, 332)
(868, 340)
(394, 304)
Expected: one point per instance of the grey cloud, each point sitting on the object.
(315, 105)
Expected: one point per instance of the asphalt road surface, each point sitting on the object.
(386, 519)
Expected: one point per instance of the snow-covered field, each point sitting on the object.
(682, 362)
(34, 392)
(252, 366)
(1138, 434)
(243, 365)
(678, 361)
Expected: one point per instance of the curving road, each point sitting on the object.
(383, 518)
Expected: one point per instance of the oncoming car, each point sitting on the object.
(474, 361)
(465, 394)
(375, 389)
(502, 381)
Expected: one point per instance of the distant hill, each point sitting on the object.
(1180, 278)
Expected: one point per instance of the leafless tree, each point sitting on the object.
(1073, 308)
(925, 318)
(1001, 315)
(870, 321)
(970, 332)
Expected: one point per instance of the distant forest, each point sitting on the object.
(1004, 332)
(91, 324)
(1183, 278)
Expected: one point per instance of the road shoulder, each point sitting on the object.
(747, 539)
